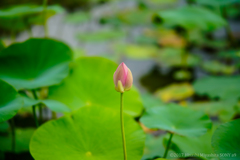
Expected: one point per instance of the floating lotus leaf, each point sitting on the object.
(165, 37)
(177, 119)
(195, 146)
(23, 16)
(129, 17)
(154, 148)
(35, 63)
(146, 40)
(226, 140)
(100, 36)
(175, 92)
(224, 110)
(231, 54)
(182, 75)
(150, 101)
(23, 137)
(223, 87)
(10, 101)
(77, 17)
(173, 57)
(216, 67)
(190, 17)
(88, 134)
(172, 40)
(140, 51)
(201, 40)
(91, 83)
(132, 17)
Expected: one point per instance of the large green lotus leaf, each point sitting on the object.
(101, 36)
(154, 147)
(51, 104)
(177, 119)
(23, 137)
(35, 63)
(90, 133)
(173, 57)
(39, 19)
(190, 17)
(10, 101)
(150, 101)
(223, 87)
(24, 10)
(91, 83)
(226, 140)
(195, 146)
(224, 110)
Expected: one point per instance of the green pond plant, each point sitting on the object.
(123, 82)
(29, 66)
(166, 117)
(99, 123)
(90, 131)
(226, 140)
(85, 86)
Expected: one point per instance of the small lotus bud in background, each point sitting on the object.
(122, 78)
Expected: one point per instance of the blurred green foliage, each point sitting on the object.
(194, 83)
(88, 126)
(21, 17)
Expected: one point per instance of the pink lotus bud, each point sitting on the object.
(122, 78)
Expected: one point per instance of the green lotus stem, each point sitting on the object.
(45, 18)
(122, 127)
(168, 145)
(34, 115)
(34, 109)
(13, 134)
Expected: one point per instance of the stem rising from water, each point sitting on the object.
(122, 127)
(168, 145)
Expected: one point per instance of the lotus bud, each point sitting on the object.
(122, 78)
